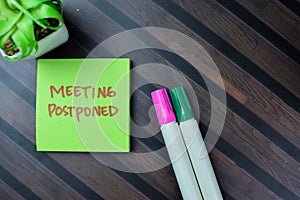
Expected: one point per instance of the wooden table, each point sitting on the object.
(255, 45)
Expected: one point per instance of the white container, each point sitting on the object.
(46, 44)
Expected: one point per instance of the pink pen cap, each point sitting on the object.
(163, 107)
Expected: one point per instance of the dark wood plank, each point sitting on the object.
(97, 176)
(21, 71)
(17, 112)
(276, 16)
(38, 179)
(98, 29)
(7, 192)
(247, 41)
(232, 175)
(261, 99)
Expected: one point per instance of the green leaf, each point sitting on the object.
(28, 4)
(44, 11)
(8, 18)
(25, 25)
(26, 12)
(5, 37)
(20, 40)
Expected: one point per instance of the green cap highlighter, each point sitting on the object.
(195, 145)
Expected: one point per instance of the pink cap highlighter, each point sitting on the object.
(175, 145)
(163, 107)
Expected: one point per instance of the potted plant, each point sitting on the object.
(30, 28)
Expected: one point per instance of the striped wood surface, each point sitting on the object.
(255, 45)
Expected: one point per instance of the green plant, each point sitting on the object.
(24, 22)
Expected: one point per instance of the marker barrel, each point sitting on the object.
(200, 160)
(180, 161)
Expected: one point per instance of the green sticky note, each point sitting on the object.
(82, 105)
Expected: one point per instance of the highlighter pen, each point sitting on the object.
(194, 143)
(175, 145)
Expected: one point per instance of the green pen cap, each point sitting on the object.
(181, 104)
